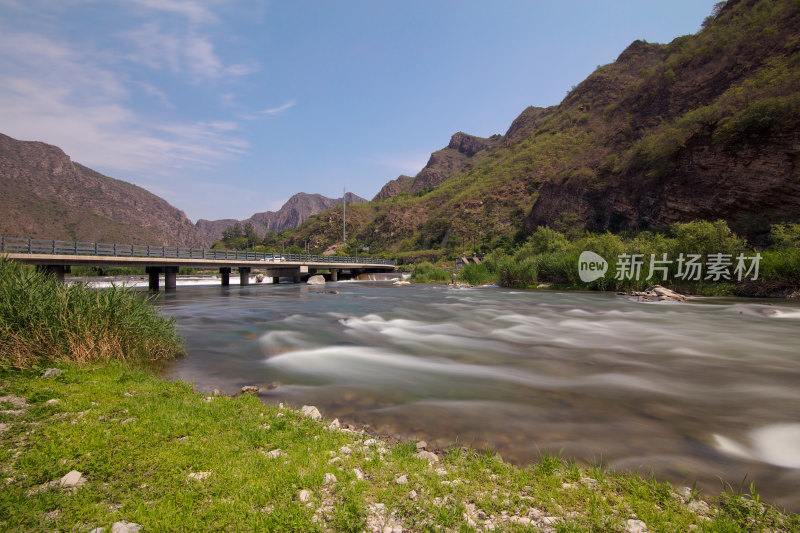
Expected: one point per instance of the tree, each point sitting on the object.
(249, 233)
(233, 231)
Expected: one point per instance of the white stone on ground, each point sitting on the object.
(430, 456)
(635, 526)
(125, 527)
(311, 411)
(72, 479)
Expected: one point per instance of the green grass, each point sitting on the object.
(42, 320)
(136, 439)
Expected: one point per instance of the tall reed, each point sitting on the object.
(43, 320)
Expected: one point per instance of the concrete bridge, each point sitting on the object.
(57, 257)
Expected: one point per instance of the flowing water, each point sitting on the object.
(707, 391)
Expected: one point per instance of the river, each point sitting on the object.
(706, 391)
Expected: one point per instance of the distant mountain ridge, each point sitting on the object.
(296, 210)
(47, 195)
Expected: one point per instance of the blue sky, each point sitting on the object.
(227, 108)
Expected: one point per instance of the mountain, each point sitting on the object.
(47, 195)
(460, 155)
(297, 209)
(705, 127)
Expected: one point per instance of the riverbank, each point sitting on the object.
(153, 453)
(699, 258)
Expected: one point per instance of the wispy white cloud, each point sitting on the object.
(181, 52)
(53, 94)
(279, 109)
(159, 95)
(194, 11)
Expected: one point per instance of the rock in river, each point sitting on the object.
(657, 293)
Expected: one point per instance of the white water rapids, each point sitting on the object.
(705, 391)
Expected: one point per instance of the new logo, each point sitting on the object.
(591, 266)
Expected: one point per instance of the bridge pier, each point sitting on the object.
(244, 276)
(153, 274)
(276, 279)
(55, 270)
(225, 275)
(170, 278)
(334, 274)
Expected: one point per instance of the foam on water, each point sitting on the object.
(778, 444)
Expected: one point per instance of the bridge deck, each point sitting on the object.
(58, 256)
(53, 252)
(185, 262)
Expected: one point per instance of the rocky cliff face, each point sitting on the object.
(397, 186)
(46, 195)
(297, 209)
(696, 129)
(460, 155)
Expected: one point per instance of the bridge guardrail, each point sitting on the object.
(53, 247)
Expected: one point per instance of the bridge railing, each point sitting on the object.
(11, 245)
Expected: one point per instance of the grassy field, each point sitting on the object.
(159, 455)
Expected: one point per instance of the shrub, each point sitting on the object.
(477, 275)
(762, 117)
(703, 237)
(43, 320)
(425, 272)
(785, 235)
(518, 274)
(543, 241)
(782, 266)
(557, 267)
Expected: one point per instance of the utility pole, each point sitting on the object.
(344, 215)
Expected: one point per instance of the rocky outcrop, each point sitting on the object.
(297, 209)
(470, 145)
(397, 186)
(47, 195)
(460, 155)
(657, 293)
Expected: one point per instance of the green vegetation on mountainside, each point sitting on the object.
(700, 128)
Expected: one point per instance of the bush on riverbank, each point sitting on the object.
(427, 273)
(42, 320)
(548, 256)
